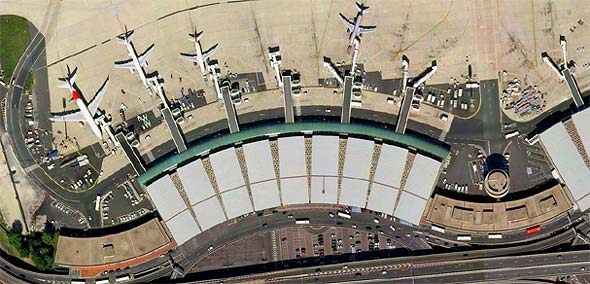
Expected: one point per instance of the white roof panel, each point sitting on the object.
(237, 202)
(294, 190)
(357, 162)
(209, 213)
(422, 176)
(390, 167)
(195, 181)
(183, 227)
(265, 195)
(292, 156)
(227, 169)
(166, 198)
(567, 160)
(354, 192)
(324, 190)
(410, 208)
(259, 161)
(584, 203)
(382, 199)
(324, 160)
(581, 119)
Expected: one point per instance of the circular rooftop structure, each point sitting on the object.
(497, 183)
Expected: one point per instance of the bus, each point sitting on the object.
(97, 205)
(122, 278)
(437, 229)
(344, 214)
(533, 230)
(463, 238)
(494, 236)
(302, 221)
(511, 134)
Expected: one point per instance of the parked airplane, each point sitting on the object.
(200, 57)
(354, 28)
(136, 62)
(87, 112)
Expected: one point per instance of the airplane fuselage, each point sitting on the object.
(355, 31)
(86, 113)
(200, 56)
(138, 67)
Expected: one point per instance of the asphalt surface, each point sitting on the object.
(481, 270)
(485, 129)
(197, 248)
(503, 262)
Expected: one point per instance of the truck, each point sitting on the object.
(302, 221)
(343, 214)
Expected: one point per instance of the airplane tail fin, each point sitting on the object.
(125, 37)
(191, 37)
(70, 78)
(361, 7)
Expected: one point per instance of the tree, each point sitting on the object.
(19, 242)
(48, 238)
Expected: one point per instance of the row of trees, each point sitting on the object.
(40, 246)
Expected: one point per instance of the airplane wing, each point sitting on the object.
(144, 57)
(208, 53)
(125, 64)
(93, 106)
(189, 57)
(347, 22)
(71, 117)
(367, 29)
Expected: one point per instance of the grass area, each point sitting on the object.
(6, 246)
(29, 82)
(4, 243)
(14, 39)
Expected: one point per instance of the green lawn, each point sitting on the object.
(14, 39)
(4, 244)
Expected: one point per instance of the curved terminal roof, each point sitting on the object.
(225, 183)
(432, 149)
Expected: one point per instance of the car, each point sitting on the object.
(290, 216)
(265, 225)
(331, 215)
(354, 226)
(376, 221)
(583, 268)
(392, 228)
(210, 248)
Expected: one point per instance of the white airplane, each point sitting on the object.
(87, 113)
(136, 62)
(354, 28)
(200, 57)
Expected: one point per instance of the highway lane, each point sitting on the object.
(480, 270)
(438, 271)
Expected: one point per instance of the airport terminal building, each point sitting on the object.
(268, 166)
(568, 145)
